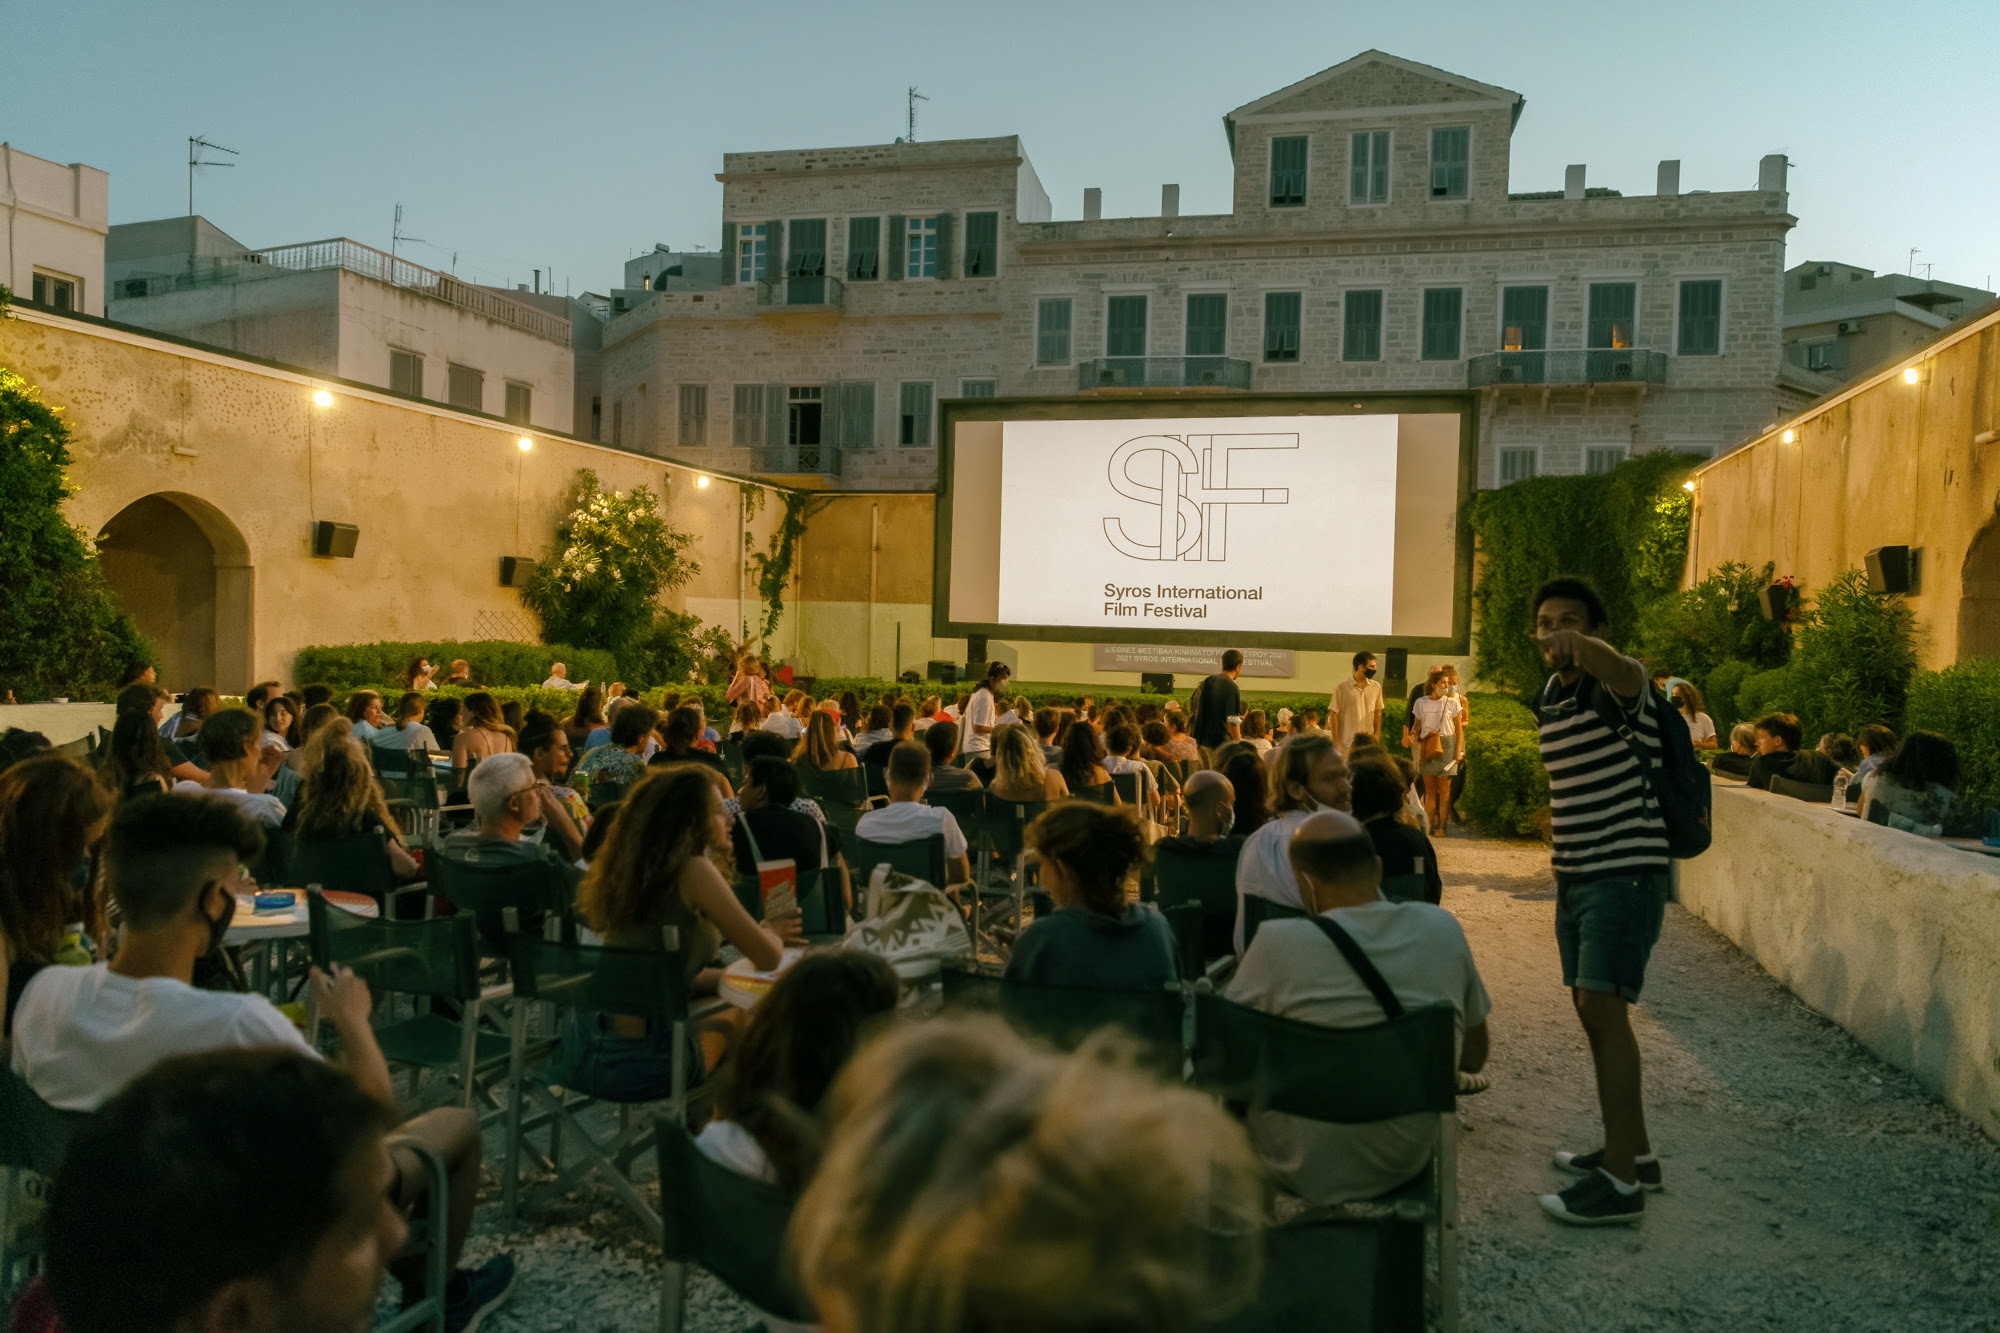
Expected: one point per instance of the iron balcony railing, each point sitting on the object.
(1597, 365)
(821, 458)
(1162, 372)
(814, 293)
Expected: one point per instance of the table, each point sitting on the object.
(268, 931)
(744, 986)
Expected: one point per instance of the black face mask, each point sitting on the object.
(218, 926)
(1369, 672)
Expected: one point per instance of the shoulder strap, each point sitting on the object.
(756, 852)
(1356, 959)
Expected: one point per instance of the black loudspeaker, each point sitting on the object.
(1396, 664)
(944, 672)
(1778, 601)
(516, 571)
(1157, 682)
(1895, 569)
(335, 539)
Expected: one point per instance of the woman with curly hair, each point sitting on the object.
(1095, 938)
(53, 813)
(339, 796)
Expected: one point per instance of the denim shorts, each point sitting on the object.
(1606, 927)
(598, 1062)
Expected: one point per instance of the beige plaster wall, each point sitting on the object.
(1894, 937)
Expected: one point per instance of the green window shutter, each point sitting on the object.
(1125, 326)
(1442, 309)
(1361, 327)
(1357, 168)
(976, 389)
(1612, 305)
(982, 245)
(1701, 318)
(864, 249)
(777, 415)
(857, 424)
(728, 254)
(1524, 319)
(746, 425)
(1281, 326)
(1378, 170)
(1288, 171)
(1207, 323)
(895, 245)
(807, 256)
(774, 250)
(1052, 324)
(1450, 162)
(944, 221)
(913, 429)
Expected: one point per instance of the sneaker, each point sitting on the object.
(1471, 1083)
(477, 1292)
(1584, 1163)
(1595, 1201)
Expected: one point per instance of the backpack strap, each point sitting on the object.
(756, 852)
(1358, 960)
(1614, 716)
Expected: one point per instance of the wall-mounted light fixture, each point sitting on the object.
(322, 399)
(526, 443)
(1911, 375)
(1789, 435)
(701, 483)
(1688, 485)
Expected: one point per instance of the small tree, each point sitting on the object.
(600, 582)
(1856, 656)
(1695, 631)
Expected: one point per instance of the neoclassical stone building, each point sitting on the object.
(1372, 246)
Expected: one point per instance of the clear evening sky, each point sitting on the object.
(569, 137)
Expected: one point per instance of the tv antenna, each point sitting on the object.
(1914, 252)
(397, 236)
(197, 145)
(915, 97)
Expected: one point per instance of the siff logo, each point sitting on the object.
(1185, 482)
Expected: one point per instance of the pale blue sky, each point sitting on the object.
(571, 136)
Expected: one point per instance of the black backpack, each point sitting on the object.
(1679, 784)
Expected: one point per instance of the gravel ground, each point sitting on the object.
(1809, 1185)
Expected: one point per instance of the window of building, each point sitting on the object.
(806, 241)
(804, 414)
(1603, 457)
(617, 422)
(1826, 357)
(1451, 162)
(751, 251)
(1518, 464)
(975, 388)
(465, 387)
(406, 373)
(982, 245)
(1125, 326)
(855, 403)
(864, 249)
(1281, 325)
(1368, 168)
(1052, 316)
(54, 291)
(1288, 171)
(1701, 318)
(1443, 308)
(914, 420)
(520, 402)
(746, 422)
(597, 419)
(694, 414)
(1361, 327)
(920, 248)
(1207, 323)
(131, 288)
(1612, 305)
(1524, 319)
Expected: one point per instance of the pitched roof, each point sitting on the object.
(1395, 82)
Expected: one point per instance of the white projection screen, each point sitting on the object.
(1298, 527)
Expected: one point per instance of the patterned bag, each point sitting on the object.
(910, 923)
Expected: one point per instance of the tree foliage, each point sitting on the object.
(1695, 631)
(614, 554)
(1856, 656)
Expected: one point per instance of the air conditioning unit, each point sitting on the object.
(1848, 326)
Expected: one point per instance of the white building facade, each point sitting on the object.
(56, 218)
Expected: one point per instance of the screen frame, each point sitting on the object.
(951, 411)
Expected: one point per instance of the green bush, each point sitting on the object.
(1856, 655)
(600, 581)
(1694, 632)
(495, 662)
(675, 648)
(1765, 692)
(1718, 691)
(1962, 702)
(1506, 787)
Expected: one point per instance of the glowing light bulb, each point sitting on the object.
(1788, 436)
(1910, 376)
(526, 443)
(1688, 485)
(701, 483)
(322, 399)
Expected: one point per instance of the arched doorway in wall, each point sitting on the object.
(183, 571)
(1979, 595)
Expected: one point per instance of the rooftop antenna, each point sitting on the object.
(397, 236)
(197, 145)
(915, 97)
(1914, 252)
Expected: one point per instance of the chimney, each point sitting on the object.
(1093, 204)
(1771, 173)
(1573, 181)
(1670, 179)
(1170, 201)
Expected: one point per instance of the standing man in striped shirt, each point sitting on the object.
(1611, 868)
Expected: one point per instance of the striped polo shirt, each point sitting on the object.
(1605, 821)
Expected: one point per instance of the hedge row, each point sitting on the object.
(1506, 787)
(350, 666)
(1962, 703)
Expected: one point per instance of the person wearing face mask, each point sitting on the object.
(1356, 705)
(1210, 802)
(1311, 777)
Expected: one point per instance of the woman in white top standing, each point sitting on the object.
(1701, 727)
(1439, 745)
(982, 715)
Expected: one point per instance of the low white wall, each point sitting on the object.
(62, 723)
(1892, 936)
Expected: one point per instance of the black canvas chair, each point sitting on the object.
(358, 863)
(33, 1138)
(1206, 878)
(823, 916)
(1816, 793)
(1257, 910)
(922, 858)
(728, 1223)
(1064, 1016)
(1413, 888)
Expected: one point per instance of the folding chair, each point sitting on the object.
(274, 864)
(1130, 788)
(1205, 878)
(429, 1235)
(823, 916)
(1257, 910)
(648, 984)
(358, 863)
(732, 761)
(728, 1223)
(1412, 888)
(33, 1138)
(1007, 837)
(842, 793)
(502, 895)
(1064, 1016)
(1818, 793)
(409, 782)
(921, 858)
(1353, 1076)
(1101, 793)
(1320, 1272)
(604, 793)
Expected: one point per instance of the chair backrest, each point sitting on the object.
(437, 958)
(1411, 888)
(33, 1134)
(1103, 793)
(1257, 910)
(604, 792)
(1348, 1076)
(1205, 877)
(821, 910)
(274, 863)
(729, 1223)
(731, 751)
(920, 857)
(1315, 1264)
(836, 786)
(500, 895)
(1127, 787)
(1007, 824)
(1065, 1015)
(392, 762)
(1817, 793)
(1190, 938)
(967, 807)
(357, 863)
(645, 983)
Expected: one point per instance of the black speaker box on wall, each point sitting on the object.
(1157, 682)
(335, 539)
(1396, 664)
(1895, 569)
(516, 571)
(1778, 601)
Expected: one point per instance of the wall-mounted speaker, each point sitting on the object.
(1778, 601)
(1157, 682)
(335, 539)
(1895, 569)
(1396, 664)
(515, 571)
(945, 673)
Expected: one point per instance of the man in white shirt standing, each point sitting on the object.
(1356, 705)
(906, 818)
(559, 679)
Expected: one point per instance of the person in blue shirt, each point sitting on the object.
(1095, 938)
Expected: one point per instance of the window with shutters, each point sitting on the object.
(406, 373)
(1207, 323)
(805, 414)
(982, 245)
(693, 414)
(750, 251)
(1612, 305)
(1281, 325)
(465, 387)
(1524, 319)
(617, 422)
(1443, 308)
(975, 388)
(1288, 171)
(520, 402)
(864, 249)
(1368, 167)
(855, 407)
(920, 247)
(746, 421)
(1603, 457)
(1361, 327)
(1125, 326)
(55, 291)
(1701, 318)
(1518, 464)
(914, 423)
(1052, 316)
(1451, 162)
(807, 241)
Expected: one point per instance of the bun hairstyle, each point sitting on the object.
(1098, 844)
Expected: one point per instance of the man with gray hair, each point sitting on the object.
(1294, 969)
(506, 798)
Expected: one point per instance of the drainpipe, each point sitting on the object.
(874, 548)
(742, 565)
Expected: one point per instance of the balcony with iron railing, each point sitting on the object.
(795, 459)
(1576, 367)
(1167, 373)
(801, 295)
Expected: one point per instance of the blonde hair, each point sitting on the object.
(818, 745)
(1017, 759)
(338, 785)
(973, 1181)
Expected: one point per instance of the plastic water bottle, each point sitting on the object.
(1840, 780)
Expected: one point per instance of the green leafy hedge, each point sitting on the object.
(379, 666)
(1962, 702)
(1506, 787)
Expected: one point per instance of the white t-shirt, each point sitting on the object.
(1294, 970)
(980, 711)
(416, 736)
(82, 1033)
(907, 821)
(1264, 866)
(263, 807)
(782, 724)
(1435, 715)
(1351, 710)
(273, 738)
(559, 683)
(364, 730)
(1118, 763)
(1701, 727)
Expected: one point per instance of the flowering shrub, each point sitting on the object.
(599, 584)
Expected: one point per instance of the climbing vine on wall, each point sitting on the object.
(773, 567)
